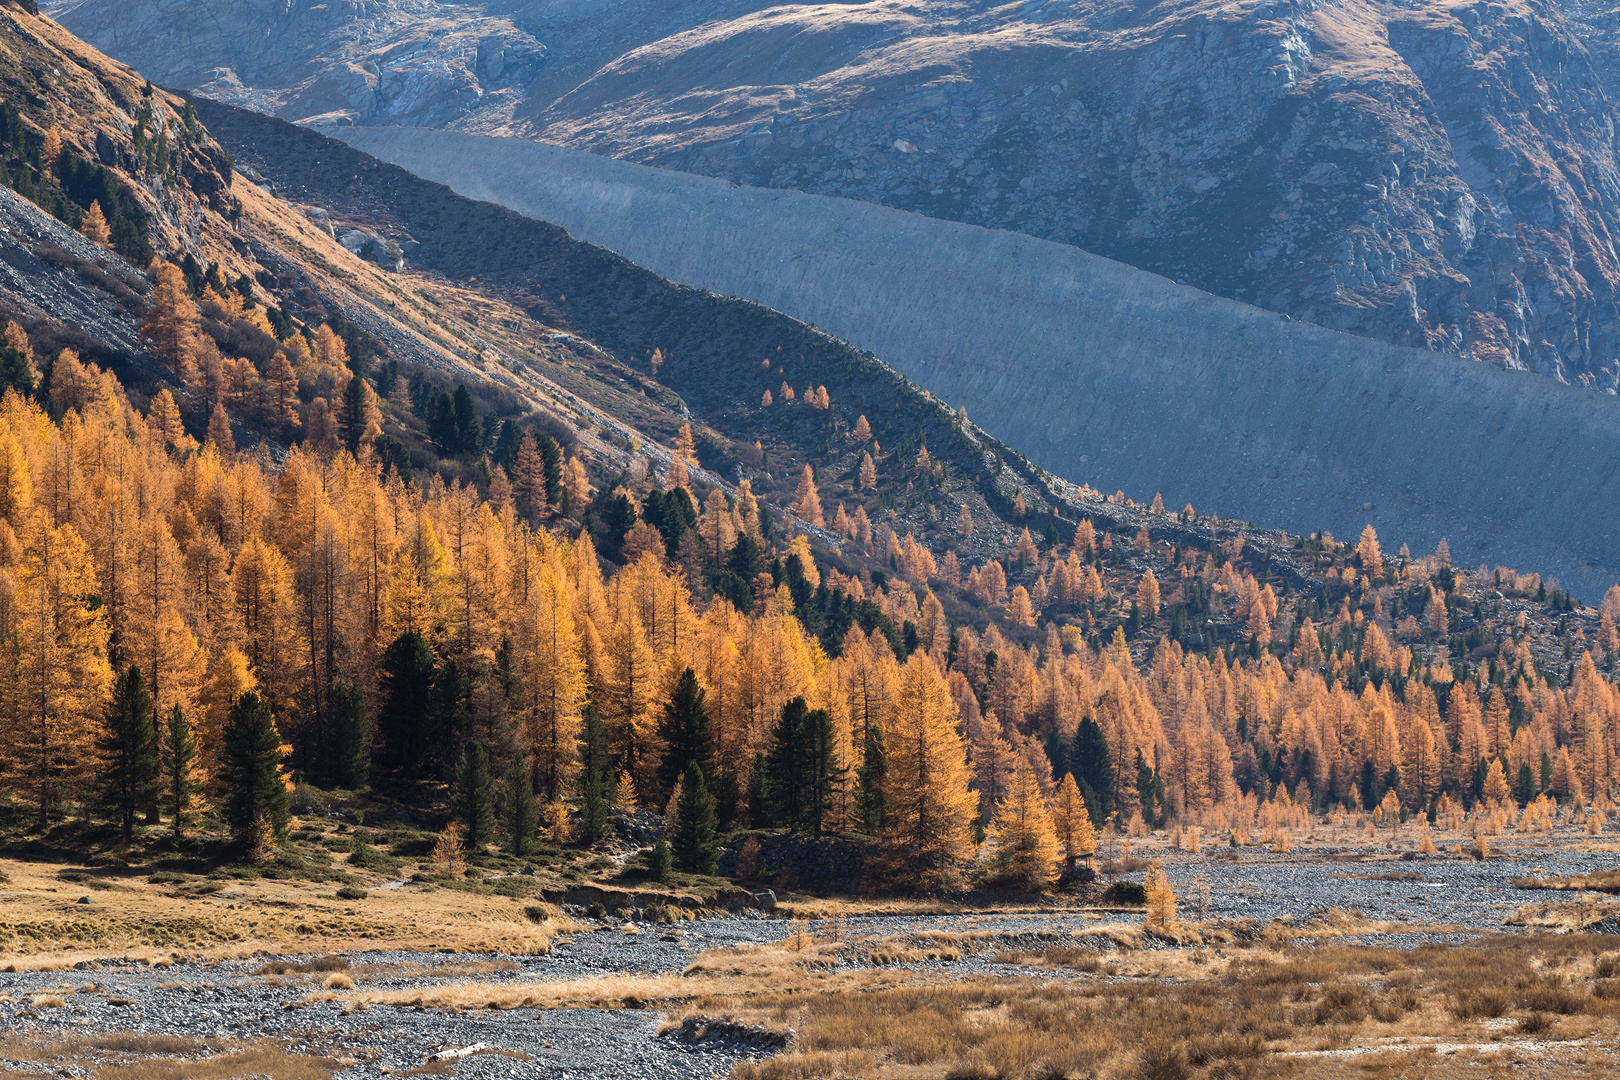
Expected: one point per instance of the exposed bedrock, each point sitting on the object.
(1106, 374)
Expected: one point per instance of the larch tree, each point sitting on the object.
(61, 661)
(551, 669)
(1071, 819)
(219, 430)
(94, 226)
(50, 151)
(279, 406)
(868, 472)
(1372, 559)
(1161, 900)
(928, 809)
(1147, 595)
(807, 501)
(1024, 845)
(163, 416)
(173, 323)
(627, 698)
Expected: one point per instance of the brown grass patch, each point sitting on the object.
(127, 1056)
(42, 929)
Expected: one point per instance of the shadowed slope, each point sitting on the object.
(1106, 374)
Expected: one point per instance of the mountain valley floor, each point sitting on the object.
(1340, 951)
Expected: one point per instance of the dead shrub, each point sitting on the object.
(1479, 1004)
(1341, 1003)
(1162, 1059)
(1534, 1023)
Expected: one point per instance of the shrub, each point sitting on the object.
(1125, 892)
(350, 892)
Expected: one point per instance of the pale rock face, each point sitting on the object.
(411, 61)
(1437, 173)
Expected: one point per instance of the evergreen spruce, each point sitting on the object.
(256, 807)
(1093, 770)
(787, 767)
(696, 849)
(658, 863)
(684, 729)
(407, 684)
(869, 783)
(595, 778)
(348, 762)
(475, 796)
(522, 813)
(128, 748)
(759, 800)
(801, 769)
(825, 773)
(181, 785)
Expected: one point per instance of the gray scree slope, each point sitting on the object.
(1106, 374)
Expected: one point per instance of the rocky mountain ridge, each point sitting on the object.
(1435, 174)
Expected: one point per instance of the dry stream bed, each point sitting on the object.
(1339, 958)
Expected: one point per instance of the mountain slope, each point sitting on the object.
(1104, 374)
(1436, 174)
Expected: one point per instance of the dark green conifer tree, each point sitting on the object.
(695, 847)
(595, 778)
(475, 796)
(1093, 770)
(128, 748)
(684, 729)
(869, 783)
(407, 686)
(522, 812)
(348, 763)
(181, 785)
(256, 806)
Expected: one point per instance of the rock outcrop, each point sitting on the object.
(1108, 375)
(1439, 174)
(415, 62)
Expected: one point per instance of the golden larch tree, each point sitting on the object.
(1024, 845)
(1072, 822)
(928, 807)
(1147, 595)
(94, 226)
(172, 323)
(552, 670)
(868, 472)
(62, 672)
(807, 502)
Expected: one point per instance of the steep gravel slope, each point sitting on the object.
(1108, 375)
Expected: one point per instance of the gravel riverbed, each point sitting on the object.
(1440, 898)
